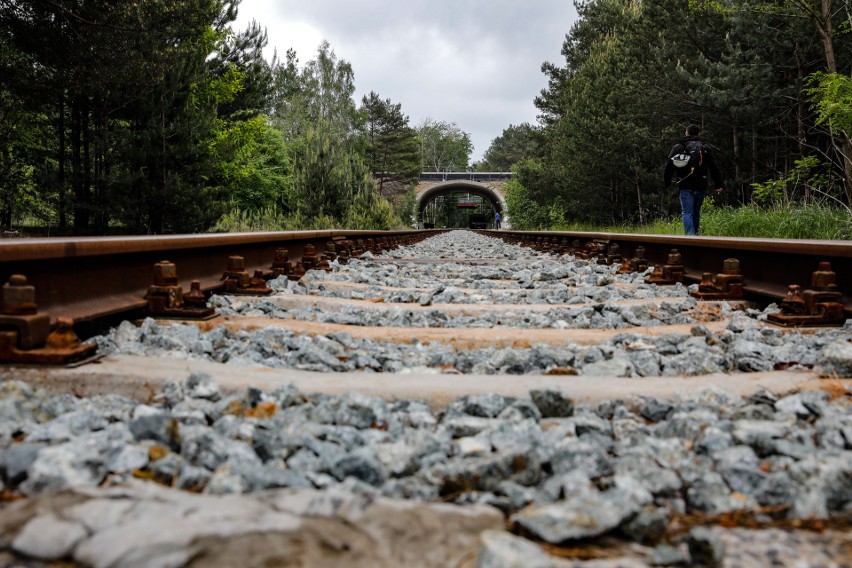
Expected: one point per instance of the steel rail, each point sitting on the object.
(87, 278)
(769, 266)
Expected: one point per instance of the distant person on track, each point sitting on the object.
(690, 161)
(497, 219)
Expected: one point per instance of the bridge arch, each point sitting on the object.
(489, 194)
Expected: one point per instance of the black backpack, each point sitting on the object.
(691, 158)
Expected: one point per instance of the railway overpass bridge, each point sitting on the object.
(487, 185)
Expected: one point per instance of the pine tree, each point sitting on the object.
(392, 147)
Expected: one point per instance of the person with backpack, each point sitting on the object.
(690, 161)
(497, 219)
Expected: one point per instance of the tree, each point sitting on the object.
(252, 165)
(327, 174)
(289, 112)
(392, 146)
(243, 51)
(23, 132)
(444, 146)
(139, 96)
(321, 93)
(598, 115)
(613, 108)
(174, 116)
(792, 18)
(513, 145)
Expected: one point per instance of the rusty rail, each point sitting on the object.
(54, 285)
(87, 278)
(768, 266)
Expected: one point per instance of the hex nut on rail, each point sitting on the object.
(670, 273)
(238, 282)
(727, 285)
(25, 335)
(167, 300)
(822, 305)
(19, 313)
(636, 264)
(280, 265)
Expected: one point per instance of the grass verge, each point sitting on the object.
(800, 222)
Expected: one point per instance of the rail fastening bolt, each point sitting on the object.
(19, 298)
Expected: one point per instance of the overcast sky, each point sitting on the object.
(476, 63)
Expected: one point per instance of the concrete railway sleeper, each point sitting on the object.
(462, 400)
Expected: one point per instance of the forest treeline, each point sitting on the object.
(154, 116)
(767, 81)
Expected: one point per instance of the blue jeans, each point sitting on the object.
(690, 206)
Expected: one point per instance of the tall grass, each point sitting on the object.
(801, 222)
(378, 214)
(780, 222)
(240, 221)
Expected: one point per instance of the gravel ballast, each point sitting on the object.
(199, 476)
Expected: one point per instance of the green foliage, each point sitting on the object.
(238, 220)
(326, 174)
(392, 147)
(319, 92)
(513, 145)
(615, 106)
(22, 134)
(217, 89)
(252, 163)
(406, 209)
(804, 177)
(369, 211)
(831, 94)
(366, 212)
(130, 94)
(525, 212)
(444, 146)
(779, 222)
(793, 222)
(332, 184)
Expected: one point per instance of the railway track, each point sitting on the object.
(516, 354)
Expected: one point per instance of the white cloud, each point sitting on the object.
(473, 62)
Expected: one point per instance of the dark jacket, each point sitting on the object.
(697, 179)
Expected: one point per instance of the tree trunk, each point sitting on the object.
(842, 143)
(81, 214)
(101, 166)
(638, 183)
(6, 211)
(63, 218)
(735, 135)
(639, 200)
(825, 30)
(87, 164)
(801, 128)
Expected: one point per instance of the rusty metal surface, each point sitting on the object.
(86, 278)
(769, 266)
(91, 277)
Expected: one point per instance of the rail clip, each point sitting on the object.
(727, 285)
(167, 300)
(822, 305)
(26, 336)
(670, 273)
(636, 264)
(238, 282)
